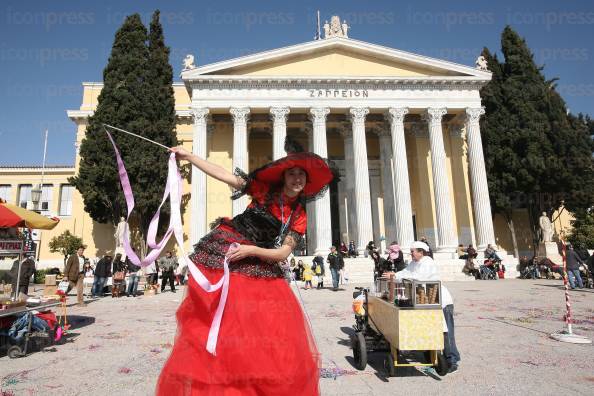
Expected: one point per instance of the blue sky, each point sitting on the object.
(47, 48)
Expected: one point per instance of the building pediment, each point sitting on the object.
(335, 58)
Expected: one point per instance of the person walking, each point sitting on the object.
(74, 274)
(573, 261)
(133, 278)
(168, 264)
(102, 272)
(336, 264)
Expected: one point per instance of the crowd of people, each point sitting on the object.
(580, 267)
(125, 275)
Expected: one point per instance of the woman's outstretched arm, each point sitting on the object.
(213, 170)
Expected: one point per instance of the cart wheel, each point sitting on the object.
(14, 352)
(442, 365)
(389, 367)
(359, 350)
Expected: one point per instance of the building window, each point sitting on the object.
(5, 192)
(66, 191)
(25, 196)
(45, 203)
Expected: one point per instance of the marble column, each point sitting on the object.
(240, 150)
(480, 189)
(361, 174)
(441, 185)
(310, 206)
(402, 201)
(385, 142)
(279, 131)
(349, 165)
(198, 189)
(323, 222)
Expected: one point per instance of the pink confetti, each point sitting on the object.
(124, 370)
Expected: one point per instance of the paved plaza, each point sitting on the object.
(118, 346)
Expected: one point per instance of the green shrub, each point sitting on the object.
(39, 277)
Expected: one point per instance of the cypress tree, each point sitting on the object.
(501, 161)
(127, 101)
(538, 156)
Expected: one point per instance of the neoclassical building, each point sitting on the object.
(403, 129)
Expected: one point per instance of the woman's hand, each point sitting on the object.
(239, 252)
(180, 153)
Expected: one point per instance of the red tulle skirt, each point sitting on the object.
(265, 346)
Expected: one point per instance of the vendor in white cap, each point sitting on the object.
(422, 267)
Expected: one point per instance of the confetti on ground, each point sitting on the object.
(335, 372)
(111, 336)
(166, 345)
(92, 347)
(14, 378)
(6, 392)
(124, 370)
(156, 350)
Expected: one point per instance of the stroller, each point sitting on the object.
(587, 276)
(531, 271)
(490, 269)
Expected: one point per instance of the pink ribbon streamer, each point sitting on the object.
(173, 191)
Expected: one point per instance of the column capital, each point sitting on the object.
(240, 114)
(434, 114)
(280, 113)
(358, 114)
(396, 114)
(200, 114)
(318, 114)
(473, 114)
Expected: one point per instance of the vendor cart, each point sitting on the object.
(404, 321)
(20, 348)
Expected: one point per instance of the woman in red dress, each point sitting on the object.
(265, 345)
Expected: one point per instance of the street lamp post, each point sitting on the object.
(36, 197)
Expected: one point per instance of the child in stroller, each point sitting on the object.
(492, 268)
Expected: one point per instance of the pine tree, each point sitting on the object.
(127, 101)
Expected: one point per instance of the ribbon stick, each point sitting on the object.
(173, 191)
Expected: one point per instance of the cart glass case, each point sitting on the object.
(416, 294)
(382, 288)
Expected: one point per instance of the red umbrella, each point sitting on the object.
(15, 216)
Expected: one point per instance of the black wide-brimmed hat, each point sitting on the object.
(320, 171)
